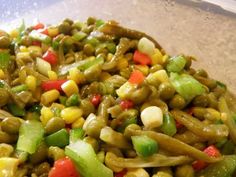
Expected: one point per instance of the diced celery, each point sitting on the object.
(19, 88)
(176, 64)
(59, 138)
(76, 134)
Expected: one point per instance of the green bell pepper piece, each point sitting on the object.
(168, 127)
(59, 138)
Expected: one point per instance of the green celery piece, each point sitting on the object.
(16, 110)
(168, 127)
(40, 37)
(59, 138)
(91, 61)
(132, 120)
(4, 59)
(186, 85)
(176, 64)
(92, 40)
(79, 36)
(30, 136)
(99, 23)
(144, 146)
(76, 134)
(223, 168)
(86, 160)
(19, 88)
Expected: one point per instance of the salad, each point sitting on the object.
(95, 99)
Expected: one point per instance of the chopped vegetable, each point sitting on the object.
(43, 66)
(126, 104)
(38, 26)
(16, 110)
(8, 166)
(50, 85)
(169, 126)
(4, 60)
(146, 46)
(186, 85)
(152, 117)
(63, 168)
(76, 134)
(141, 58)
(144, 146)
(136, 77)
(176, 64)
(36, 35)
(19, 88)
(89, 62)
(86, 160)
(96, 99)
(73, 100)
(30, 136)
(70, 87)
(59, 138)
(50, 57)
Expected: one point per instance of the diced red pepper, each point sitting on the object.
(178, 124)
(126, 104)
(36, 43)
(212, 151)
(141, 58)
(38, 26)
(136, 77)
(96, 99)
(50, 57)
(43, 31)
(121, 173)
(63, 168)
(50, 85)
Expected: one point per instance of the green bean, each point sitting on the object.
(156, 102)
(55, 153)
(40, 155)
(54, 124)
(189, 137)
(185, 171)
(139, 95)
(177, 102)
(115, 29)
(173, 145)
(202, 73)
(155, 68)
(92, 74)
(103, 106)
(88, 49)
(201, 100)
(116, 80)
(4, 96)
(11, 125)
(210, 132)
(115, 111)
(4, 41)
(64, 28)
(93, 142)
(6, 150)
(87, 107)
(210, 83)
(6, 138)
(41, 169)
(156, 160)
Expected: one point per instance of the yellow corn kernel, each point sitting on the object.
(78, 123)
(70, 87)
(23, 49)
(143, 68)
(122, 63)
(52, 75)
(36, 50)
(14, 33)
(71, 114)
(157, 57)
(24, 56)
(109, 56)
(31, 83)
(165, 58)
(104, 76)
(53, 31)
(76, 75)
(57, 105)
(49, 96)
(2, 74)
(46, 115)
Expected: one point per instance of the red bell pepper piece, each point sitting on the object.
(36, 43)
(38, 26)
(211, 151)
(50, 57)
(136, 77)
(141, 58)
(126, 104)
(63, 168)
(50, 85)
(121, 173)
(43, 31)
(96, 99)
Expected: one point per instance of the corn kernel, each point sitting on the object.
(2, 74)
(36, 50)
(152, 117)
(104, 76)
(78, 123)
(46, 115)
(70, 87)
(57, 105)
(122, 63)
(14, 33)
(109, 56)
(161, 75)
(76, 75)
(53, 31)
(49, 96)
(52, 75)
(143, 68)
(23, 49)
(31, 83)
(157, 57)
(71, 114)
(24, 56)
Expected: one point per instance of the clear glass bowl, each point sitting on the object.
(180, 26)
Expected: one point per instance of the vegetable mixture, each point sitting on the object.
(95, 99)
